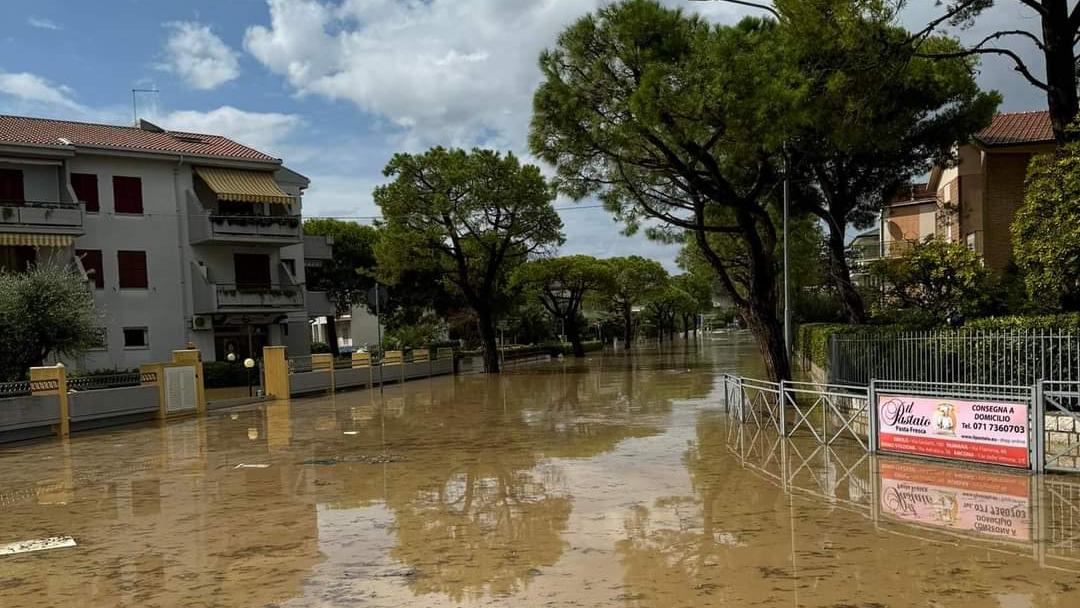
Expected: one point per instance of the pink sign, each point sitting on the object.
(991, 432)
(991, 504)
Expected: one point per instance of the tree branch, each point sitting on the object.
(757, 5)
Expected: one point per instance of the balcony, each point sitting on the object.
(34, 217)
(213, 298)
(276, 230)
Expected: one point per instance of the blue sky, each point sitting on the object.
(334, 87)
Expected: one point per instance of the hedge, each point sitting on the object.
(223, 374)
(811, 340)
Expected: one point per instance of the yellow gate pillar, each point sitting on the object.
(276, 370)
(53, 381)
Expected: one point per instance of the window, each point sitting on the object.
(11, 186)
(92, 264)
(127, 194)
(136, 337)
(132, 269)
(86, 190)
(252, 270)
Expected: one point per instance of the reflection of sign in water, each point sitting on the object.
(179, 389)
(992, 432)
(987, 503)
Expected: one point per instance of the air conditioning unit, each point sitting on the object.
(202, 323)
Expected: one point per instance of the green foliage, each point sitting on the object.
(1046, 230)
(811, 340)
(1058, 322)
(348, 276)
(469, 217)
(932, 280)
(318, 348)
(422, 334)
(47, 310)
(224, 374)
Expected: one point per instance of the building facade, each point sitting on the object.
(975, 200)
(185, 238)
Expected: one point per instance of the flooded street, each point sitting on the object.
(616, 481)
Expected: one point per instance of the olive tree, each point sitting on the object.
(44, 311)
(473, 216)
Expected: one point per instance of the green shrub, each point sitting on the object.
(223, 374)
(1061, 322)
(318, 348)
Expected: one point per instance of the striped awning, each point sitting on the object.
(21, 239)
(243, 186)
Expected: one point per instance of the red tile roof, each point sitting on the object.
(1013, 128)
(48, 132)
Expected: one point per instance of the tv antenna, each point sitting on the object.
(134, 103)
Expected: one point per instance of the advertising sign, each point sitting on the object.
(989, 504)
(990, 432)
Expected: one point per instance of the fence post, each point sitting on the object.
(59, 374)
(1038, 430)
(276, 370)
(782, 407)
(362, 360)
(871, 416)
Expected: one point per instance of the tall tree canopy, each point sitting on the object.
(1055, 39)
(473, 216)
(870, 115)
(665, 116)
(561, 285)
(348, 276)
(634, 281)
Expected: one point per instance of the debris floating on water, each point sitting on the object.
(358, 459)
(40, 544)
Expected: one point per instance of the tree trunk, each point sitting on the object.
(628, 328)
(686, 327)
(1060, 59)
(331, 336)
(840, 273)
(769, 334)
(486, 322)
(574, 335)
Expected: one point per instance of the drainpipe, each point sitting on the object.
(181, 245)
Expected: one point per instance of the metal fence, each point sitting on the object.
(1019, 358)
(833, 413)
(101, 382)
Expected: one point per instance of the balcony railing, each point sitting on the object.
(276, 229)
(225, 297)
(38, 216)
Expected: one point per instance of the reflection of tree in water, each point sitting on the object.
(484, 510)
(683, 548)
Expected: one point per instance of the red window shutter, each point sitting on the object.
(127, 194)
(94, 266)
(86, 190)
(11, 186)
(132, 269)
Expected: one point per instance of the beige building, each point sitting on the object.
(973, 202)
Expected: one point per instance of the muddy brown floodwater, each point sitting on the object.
(617, 481)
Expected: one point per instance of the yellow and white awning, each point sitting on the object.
(243, 186)
(22, 239)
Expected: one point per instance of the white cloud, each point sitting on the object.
(198, 56)
(33, 89)
(44, 24)
(264, 131)
(458, 72)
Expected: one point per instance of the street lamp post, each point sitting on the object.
(249, 364)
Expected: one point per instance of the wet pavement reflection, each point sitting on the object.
(616, 481)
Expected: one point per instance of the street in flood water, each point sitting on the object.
(616, 481)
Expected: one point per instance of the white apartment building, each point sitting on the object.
(186, 238)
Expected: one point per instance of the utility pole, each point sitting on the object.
(787, 265)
